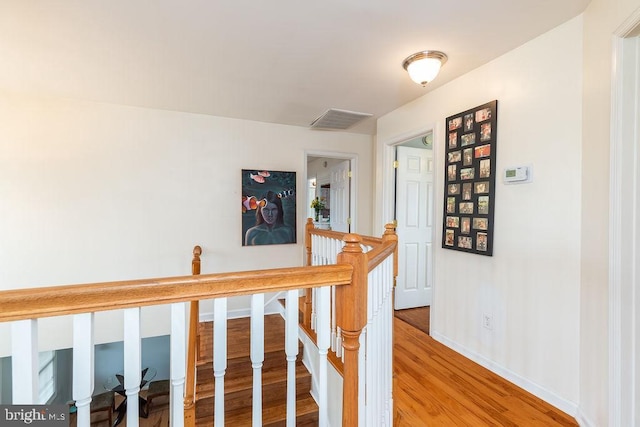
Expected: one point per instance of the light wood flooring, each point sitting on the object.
(435, 386)
(416, 317)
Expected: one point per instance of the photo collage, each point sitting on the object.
(470, 166)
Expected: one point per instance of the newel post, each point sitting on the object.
(351, 306)
(306, 306)
(307, 238)
(390, 235)
(192, 349)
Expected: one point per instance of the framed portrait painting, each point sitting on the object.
(268, 207)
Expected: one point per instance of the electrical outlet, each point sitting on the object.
(487, 321)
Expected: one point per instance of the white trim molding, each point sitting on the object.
(385, 164)
(386, 184)
(623, 226)
(353, 191)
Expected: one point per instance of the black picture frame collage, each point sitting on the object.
(470, 170)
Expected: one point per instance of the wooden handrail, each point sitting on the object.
(381, 248)
(349, 276)
(381, 252)
(35, 303)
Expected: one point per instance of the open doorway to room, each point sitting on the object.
(412, 201)
(331, 180)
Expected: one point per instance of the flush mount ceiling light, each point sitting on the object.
(424, 66)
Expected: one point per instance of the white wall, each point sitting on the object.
(531, 285)
(95, 192)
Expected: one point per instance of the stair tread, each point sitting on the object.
(244, 380)
(240, 329)
(271, 413)
(238, 380)
(277, 353)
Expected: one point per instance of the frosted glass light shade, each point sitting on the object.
(423, 67)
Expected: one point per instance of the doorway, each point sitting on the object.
(413, 201)
(332, 179)
(387, 213)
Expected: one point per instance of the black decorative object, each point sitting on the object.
(470, 172)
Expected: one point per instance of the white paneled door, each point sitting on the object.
(414, 213)
(339, 196)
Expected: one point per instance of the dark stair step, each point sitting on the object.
(273, 415)
(272, 358)
(239, 377)
(239, 390)
(239, 337)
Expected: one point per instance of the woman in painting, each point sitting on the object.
(270, 228)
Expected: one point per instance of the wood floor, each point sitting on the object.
(416, 317)
(435, 386)
(158, 415)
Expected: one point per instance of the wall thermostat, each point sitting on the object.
(517, 175)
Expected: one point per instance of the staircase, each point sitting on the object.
(238, 382)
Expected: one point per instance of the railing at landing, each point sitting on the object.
(348, 276)
(374, 306)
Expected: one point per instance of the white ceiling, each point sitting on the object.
(279, 61)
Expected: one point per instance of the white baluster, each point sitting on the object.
(335, 344)
(363, 380)
(389, 327)
(257, 354)
(327, 250)
(24, 363)
(178, 357)
(314, 250)
(380, 393)
(219, 357)
(315, 247)
(83, 360)
(324, 340)
(132, 353)
(389, 348)
(381, 344)
(368, 357)
(314, 310)
(291, 349)
(335, 250)
(336, 336)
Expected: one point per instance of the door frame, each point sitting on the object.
(388, 184)
(353, 190)
(624, 280)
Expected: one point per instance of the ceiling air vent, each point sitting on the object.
(334, 119)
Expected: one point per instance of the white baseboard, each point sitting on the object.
(583, 420)
(548, 396)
